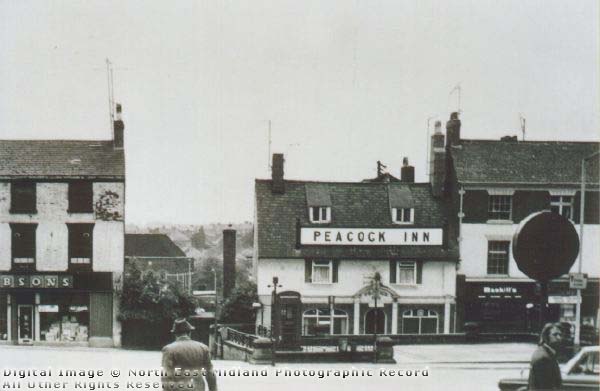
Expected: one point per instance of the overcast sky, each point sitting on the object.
(345, 83)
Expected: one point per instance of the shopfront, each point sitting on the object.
(56, 308)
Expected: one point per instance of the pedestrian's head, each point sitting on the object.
(182, 327)
(551, 335)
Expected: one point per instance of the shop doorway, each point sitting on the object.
(375, 321)
(25, 324)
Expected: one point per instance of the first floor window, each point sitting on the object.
(81, 196)
(318, 322)
(321, 272)
(407, 272)
(23, 197)
(23, 246)
(497, 257)
(499, 207)
(80, 245)
(419, 321)
(563, 205)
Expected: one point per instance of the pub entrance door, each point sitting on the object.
(290, 319)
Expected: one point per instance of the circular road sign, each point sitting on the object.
(545, 245)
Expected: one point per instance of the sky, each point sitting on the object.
(343, 83)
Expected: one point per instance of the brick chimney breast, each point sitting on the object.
(118, 129)
(453, 130)
(407, 172)
(229, 252)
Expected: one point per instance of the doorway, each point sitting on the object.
(375, 321)
(25, 324)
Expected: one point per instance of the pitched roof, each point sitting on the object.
(523, 162)
(354, 205)
(151, 245)
(60, 159)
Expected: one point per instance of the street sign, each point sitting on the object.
(577, 281)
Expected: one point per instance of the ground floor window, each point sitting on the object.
(64, 317)
(419, 321)
(318, 322)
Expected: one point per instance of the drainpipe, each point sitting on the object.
(461, 215)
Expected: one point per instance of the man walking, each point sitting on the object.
(186, 362)
(544, 373)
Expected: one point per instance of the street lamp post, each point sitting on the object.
(577, 337)
(274, 318)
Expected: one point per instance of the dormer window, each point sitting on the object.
(318, 201)
(402, 205)
(320, 214)
(403, 215)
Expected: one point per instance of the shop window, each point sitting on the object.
(497, 257)
(319, 214)
(499, 207)
(23, 197)
(403, 215)
(81, 196)
(64, 318)
(80, 245)
(23, 246)
(317, 322)
(406, 273)
(563, 205)
(419, 321)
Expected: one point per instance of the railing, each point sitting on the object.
(230, 335)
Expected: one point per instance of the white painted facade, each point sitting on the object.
(52, 232)
(474, 247)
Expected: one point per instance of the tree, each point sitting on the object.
(238, 307)
(199, 239)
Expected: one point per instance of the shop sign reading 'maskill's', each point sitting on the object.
(372, 236)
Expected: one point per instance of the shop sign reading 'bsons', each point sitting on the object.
(36, 281)
(372, 236)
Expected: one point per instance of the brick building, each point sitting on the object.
(158, 254)
(325, 241)
(492, 186)
(61, 240)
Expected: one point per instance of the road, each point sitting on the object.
(423, 367)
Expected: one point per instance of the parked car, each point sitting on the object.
(579, 373)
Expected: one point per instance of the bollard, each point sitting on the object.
(262, 353)
(385, 350)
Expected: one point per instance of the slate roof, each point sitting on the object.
(61, 159)
(524, 162)
(354, 205)
(151, 245)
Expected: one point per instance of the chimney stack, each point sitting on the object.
(118, 128)
(453, 130)
(407, 172)
(437, 164)
(228, 261)
(277, 182)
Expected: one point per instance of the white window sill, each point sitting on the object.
(404, 222)
(497, 275)
(320, 222)
(500, 222)
(321, 283)
(414, 285)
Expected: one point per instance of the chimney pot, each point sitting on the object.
(118, 128)
(438, 127)
(453, 130)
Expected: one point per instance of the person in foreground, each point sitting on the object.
(185, 362)
(544, 373)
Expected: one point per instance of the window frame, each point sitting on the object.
(561, 204)
(491, 251)
(74, 228)
(327, 316)
(78, 190)
(414, 279)
(499, 214)
(322, 265)
(23, 186)
(411, 219)
(427, 314)
(324, 214)
(19, 228)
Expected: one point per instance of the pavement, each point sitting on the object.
(418, 367)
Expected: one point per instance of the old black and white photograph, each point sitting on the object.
(292, 195)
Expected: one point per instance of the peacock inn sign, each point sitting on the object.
(371, 236)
